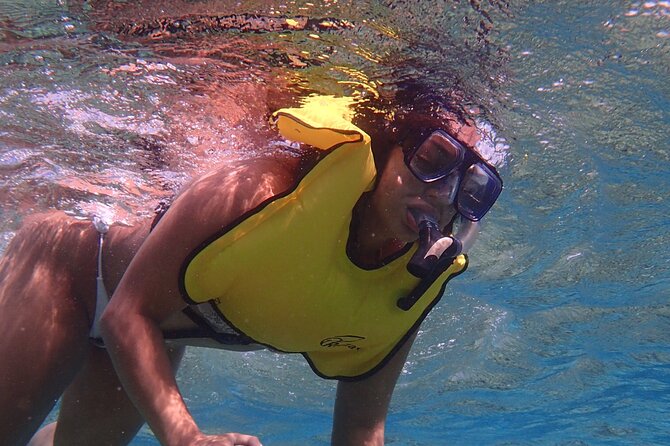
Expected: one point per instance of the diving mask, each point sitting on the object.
(440, 157)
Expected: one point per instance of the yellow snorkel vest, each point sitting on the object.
(282, 276)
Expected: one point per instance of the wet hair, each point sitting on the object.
(410, 109)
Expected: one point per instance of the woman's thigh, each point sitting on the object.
(44, 323)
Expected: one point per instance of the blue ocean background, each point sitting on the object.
(559, 333)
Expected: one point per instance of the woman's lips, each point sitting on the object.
(412, 223)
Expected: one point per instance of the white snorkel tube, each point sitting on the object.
(467, 233)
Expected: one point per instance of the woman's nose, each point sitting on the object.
(444, 190)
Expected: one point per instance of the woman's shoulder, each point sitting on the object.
(232, 189)
(248, 180)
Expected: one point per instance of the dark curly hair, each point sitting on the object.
(411, 108)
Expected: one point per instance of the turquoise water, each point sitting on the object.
(560, 332)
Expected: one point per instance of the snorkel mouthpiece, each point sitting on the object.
(433, 245)
(436, 252)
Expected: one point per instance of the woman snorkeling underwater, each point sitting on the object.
(338, 254)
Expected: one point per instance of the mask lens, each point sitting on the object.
(480, 188)
(436, 157)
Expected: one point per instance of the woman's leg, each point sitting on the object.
(44, 323)
(95, 409)
(47, 301)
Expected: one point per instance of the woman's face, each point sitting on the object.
(399, 200)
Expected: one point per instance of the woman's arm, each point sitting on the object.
(361, 406)
(149, 293)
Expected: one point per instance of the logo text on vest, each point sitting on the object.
(348, 341)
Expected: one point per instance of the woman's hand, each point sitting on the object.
(230, 439)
